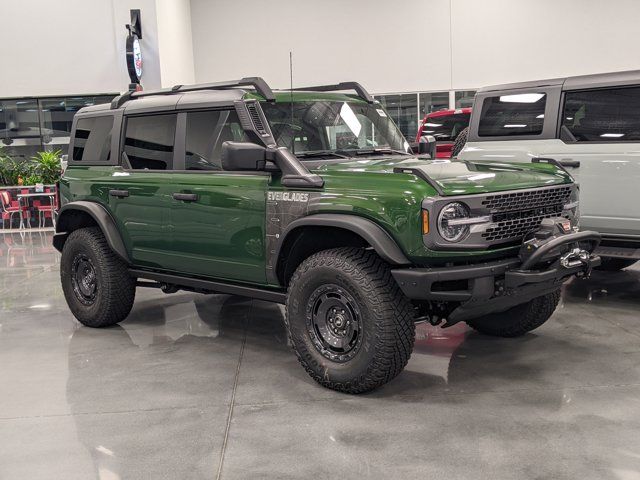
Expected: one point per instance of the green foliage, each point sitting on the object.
(44, 167)
(47, 166)
(12, 170)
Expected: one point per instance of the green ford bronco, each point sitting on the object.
(311, 198)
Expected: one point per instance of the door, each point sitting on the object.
(139, 192)
(217, 216)
(600, 145)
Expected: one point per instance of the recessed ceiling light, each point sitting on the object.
(515, 125)
(612, 135)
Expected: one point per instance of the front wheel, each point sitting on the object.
(348, 322)
(95, 282)
(518, 320)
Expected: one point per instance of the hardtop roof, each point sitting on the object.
(580, 82)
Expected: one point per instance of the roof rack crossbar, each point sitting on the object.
(359, 89)
(256, 82)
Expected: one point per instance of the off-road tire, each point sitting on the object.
(114, 290)
(461, 141)
(611, 264)
(387, 319)
(518, 320)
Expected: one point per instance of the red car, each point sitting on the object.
(444, 125)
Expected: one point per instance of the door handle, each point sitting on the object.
(186, 197)
(570, 163)
(119, 193)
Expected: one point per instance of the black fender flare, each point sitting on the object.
(372, 233)
(100, 215)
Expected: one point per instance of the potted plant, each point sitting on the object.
(47, 166)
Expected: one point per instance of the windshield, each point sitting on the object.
(333, 127)
(446, 127)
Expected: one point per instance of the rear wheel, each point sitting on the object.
(96, 283)
(518, 320)
(348, 322)
(611, 264)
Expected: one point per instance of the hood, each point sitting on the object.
(458, 177)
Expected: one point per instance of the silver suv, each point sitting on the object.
(588, 124)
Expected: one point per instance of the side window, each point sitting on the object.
(511, 115)
(602, 115)
(92, 139)
(206, 132)
(149, 141)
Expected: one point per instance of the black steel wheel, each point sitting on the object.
(83, 279)
(334, 323)
(348, 322)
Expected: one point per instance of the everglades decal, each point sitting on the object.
(283, 207)
(288, 196)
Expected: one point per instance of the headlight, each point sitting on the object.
(449, 225)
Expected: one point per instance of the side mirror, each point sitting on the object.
(243, 156)
(249, 156)
(427, 145)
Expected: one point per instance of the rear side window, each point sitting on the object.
(206, 132)
(149, 142)
(602, 115)
(92, 139)
(512, 115)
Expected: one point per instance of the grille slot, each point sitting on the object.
(527, 199)
(255, 118)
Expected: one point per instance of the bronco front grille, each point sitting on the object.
(527, 199)
(515, 214)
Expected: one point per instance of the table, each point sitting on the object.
(51, 195)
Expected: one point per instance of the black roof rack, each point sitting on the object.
(359, 89)
(256, 82)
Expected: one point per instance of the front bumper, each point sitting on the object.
(497, 286)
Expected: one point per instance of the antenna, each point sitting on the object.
(293, 137)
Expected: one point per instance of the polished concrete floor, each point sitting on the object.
(194, 386)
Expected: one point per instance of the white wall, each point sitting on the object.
(409, 45)
(175, 42)
(500, 41)
(75, 46)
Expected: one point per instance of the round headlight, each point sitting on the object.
(447, 225)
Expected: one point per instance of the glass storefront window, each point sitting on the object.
(464, 98)
(30, 125)
(403, 109)
(56, 116)
(432, 102)
(19, 129)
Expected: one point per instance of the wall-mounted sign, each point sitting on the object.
(134, 54)
(134, 59)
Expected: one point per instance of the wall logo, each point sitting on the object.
(287, 196)
(134, 53)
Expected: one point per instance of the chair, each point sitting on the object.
(10, 208)
(46, 208)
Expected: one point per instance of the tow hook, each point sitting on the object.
(576, 257)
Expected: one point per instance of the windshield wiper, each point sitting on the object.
(320, 153)
(378, 151)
